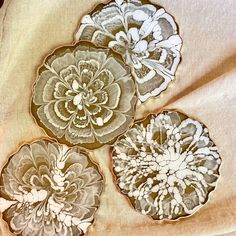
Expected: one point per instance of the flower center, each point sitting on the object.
(84, 96)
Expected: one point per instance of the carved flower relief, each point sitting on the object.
(145, 35)
(84, 96)
(49, 189)
(167, 165)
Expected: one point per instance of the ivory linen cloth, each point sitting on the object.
(205, 89)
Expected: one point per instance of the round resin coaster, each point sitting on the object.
(144, 34)
(167, 165)
(84, 96)
(49, 189)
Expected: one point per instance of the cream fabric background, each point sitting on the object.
(205, 88)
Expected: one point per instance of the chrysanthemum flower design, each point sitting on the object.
(84, 96)
(167, 165)
(49, 189)
(144, 34)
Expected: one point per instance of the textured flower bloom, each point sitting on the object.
(145, 35)
(84, 96)
(49, 189)
(167, 165)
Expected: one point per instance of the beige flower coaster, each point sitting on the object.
(84, 96)
(167, 165)
(49, 189)
(144, 34)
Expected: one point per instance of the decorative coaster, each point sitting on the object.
(167, 165)
(144, 34)
(84, 96)
(49, 189)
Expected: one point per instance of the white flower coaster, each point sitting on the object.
(84, 96)
(167, 165)
(144, 34)
(49, 190)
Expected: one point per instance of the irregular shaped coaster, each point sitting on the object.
(84, 96)
(49, 189)
(167, 165)
(144, 34)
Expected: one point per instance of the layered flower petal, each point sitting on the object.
(73, 101)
